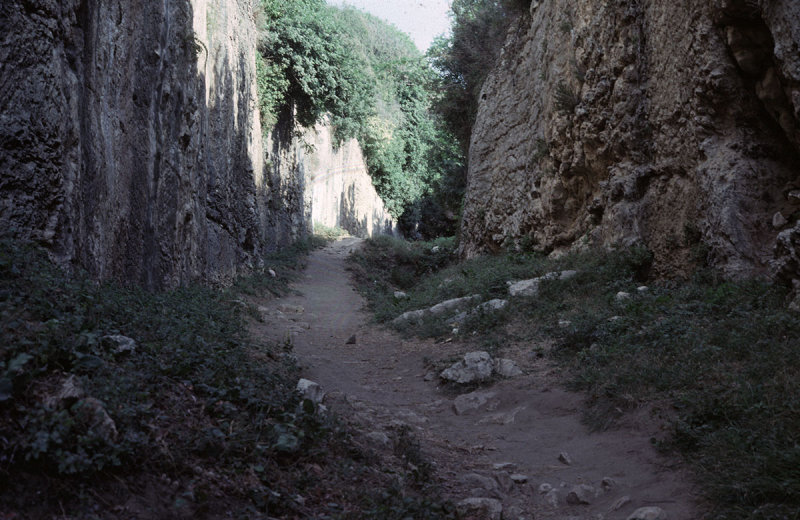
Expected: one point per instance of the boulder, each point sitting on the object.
(470, 402)
(475, 367)
(310, 390)
(506, 368)
(531, 287)
(582, 494)
(492, 305)
(525, 288)
(452, 305)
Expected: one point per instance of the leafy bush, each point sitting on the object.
(369, 79)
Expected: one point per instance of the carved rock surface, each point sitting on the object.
(615, 123)
(131, 143)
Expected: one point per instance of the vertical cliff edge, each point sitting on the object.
(644, 121)
(131, 144)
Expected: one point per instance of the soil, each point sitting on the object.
(383, 381)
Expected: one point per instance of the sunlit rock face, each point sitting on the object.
(131, 144)
(339, 189)
(625, 122)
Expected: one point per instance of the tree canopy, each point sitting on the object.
(372, 82)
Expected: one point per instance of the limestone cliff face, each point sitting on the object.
(339, 189)
(644, 121)
(130, 140)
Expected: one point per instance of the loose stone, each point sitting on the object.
(648, 513)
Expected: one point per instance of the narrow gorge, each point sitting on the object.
(267, 259)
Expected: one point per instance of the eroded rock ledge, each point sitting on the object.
(633, 121)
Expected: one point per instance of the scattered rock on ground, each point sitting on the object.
(582, 494)
(93, 415)
(648, 513)
(607, 483)
(622, 296)
(531, 287)
(479, 481)
(379, 439)
(504, 466)
(470, 402)
(642, 289)
(525, 288)
(476, 366)
(519, 478)
(440, 308)
(119, 343)
(620, 503)
(502, 418)
(506, 368)
(492, 305)
(545, 488)
(310, 390)
(291, 309)
(272, 273)
(778, 220)
(488, 507)
(400, 295)
(351, 340)
(565, 458)
(70, 391)
(504, 479)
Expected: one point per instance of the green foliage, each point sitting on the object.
(198, 401)
(566, 98)
(718, 359)
(305, 62)
(464, 59)
(369, 79)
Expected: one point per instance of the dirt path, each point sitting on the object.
(527, 421)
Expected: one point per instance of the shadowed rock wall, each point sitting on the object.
(130, 140)
(643, 121)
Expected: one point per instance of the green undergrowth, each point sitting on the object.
(199, 420)
(717, 360)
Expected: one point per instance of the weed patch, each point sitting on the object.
(722, 355)
(194, 419)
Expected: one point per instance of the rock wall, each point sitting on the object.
(643, 121)
(339, 188)
(130, 139)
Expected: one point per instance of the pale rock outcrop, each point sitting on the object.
(451, 305)
(340, 190)
(616, 123)
(474, 367)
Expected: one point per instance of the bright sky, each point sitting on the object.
(423, 20)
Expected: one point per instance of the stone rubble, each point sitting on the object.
(490, 508)
(648, 513)
(530, 288)
(310, 390)
(479, 366)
